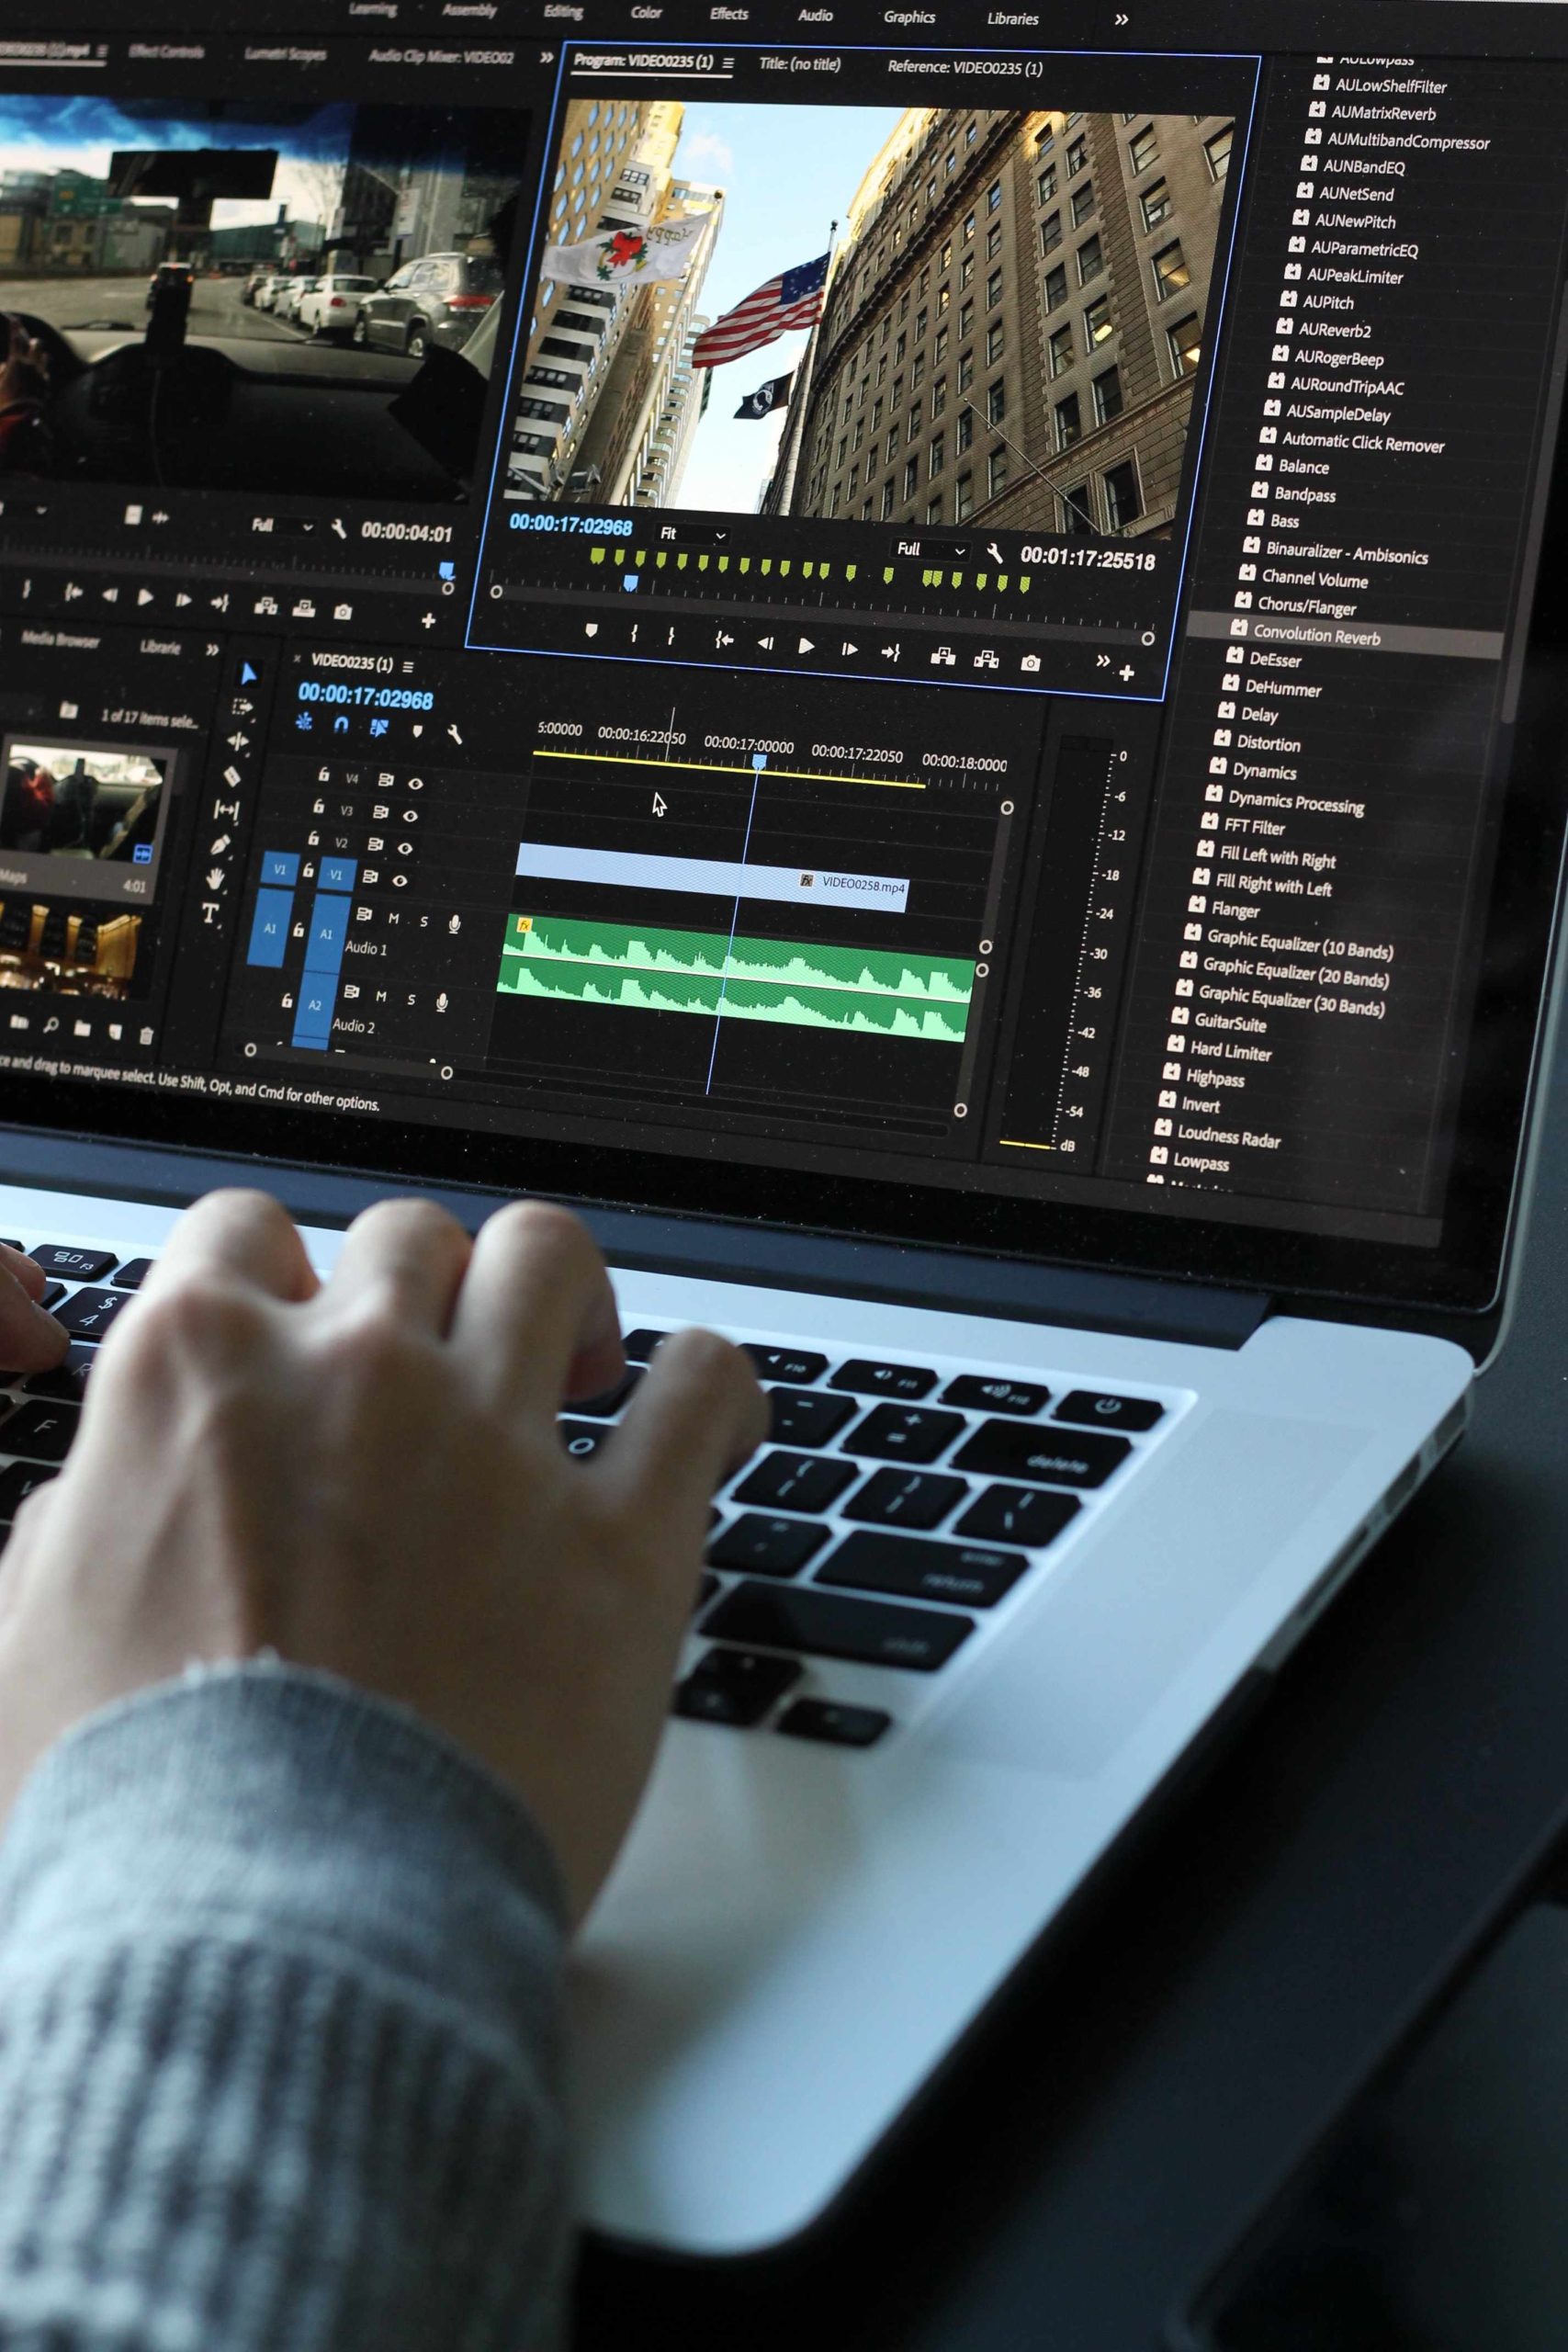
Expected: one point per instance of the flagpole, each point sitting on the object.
(786, 464)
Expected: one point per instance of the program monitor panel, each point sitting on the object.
(891, 363)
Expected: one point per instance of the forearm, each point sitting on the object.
(278, 2024)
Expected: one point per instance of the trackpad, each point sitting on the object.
(1101, 1646)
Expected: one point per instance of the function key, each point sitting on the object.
(796, 1482)
(863, 1379)
(982, 1396)
(42, 1431)
(1094, 1410)
(806, 1416)
(823, 1719)
(907, 1498)
(832, 1625)
(90, 1312)
(132, 1274)
(71, 1265)
(734, 1687)
(1031, 1515)
(639, 1346)
(969, 1572)
(766, 1546)
(1047, 1457)
(68, 1381)
(896, 1433)
(795, 1364)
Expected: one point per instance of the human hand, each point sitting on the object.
(366, 1476)
(24, 365)
(31, 1339)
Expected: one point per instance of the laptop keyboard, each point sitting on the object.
(894, 1510)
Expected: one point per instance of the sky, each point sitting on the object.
(787, 172)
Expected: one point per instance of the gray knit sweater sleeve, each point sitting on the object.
(279, 2013)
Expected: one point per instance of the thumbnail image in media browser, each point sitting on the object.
(68, 950)
(84, 819)
(993, 317)
(278, 300)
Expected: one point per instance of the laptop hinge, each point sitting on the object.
(955, 1282)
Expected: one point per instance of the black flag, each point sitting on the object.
(767, 397)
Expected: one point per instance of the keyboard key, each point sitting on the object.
(983, 1395)
(706, 1588)
(807, 1417)
(132, 1274)
(51, 1296)
(18, 1482)
(1096, 1411)
(73, 1265)
(68, 1381)
(582, 1438)
(792, 1364)
(796, 1482)
(601, 1408)
(883, 1379)
(971, 1573)
(832, 1625)
(734, 1687)
(639, 1346)
(907, 1498)
(766, 1546)
(10, 1245)
(1049, 1457)
(1031, 1515)
(823, 1719)
(904, 1433)
(42, 1432)
(89, 1313)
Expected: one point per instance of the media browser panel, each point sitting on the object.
(945, 618)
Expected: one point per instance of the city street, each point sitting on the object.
(97, 313)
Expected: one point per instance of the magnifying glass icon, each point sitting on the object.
(52, 1022)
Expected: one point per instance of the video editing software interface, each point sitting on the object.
(934, 608)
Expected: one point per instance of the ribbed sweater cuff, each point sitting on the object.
(279, 2013)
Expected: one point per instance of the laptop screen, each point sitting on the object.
(829, 614)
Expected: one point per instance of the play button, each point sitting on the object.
(807, 645)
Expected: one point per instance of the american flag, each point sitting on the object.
(794, 300)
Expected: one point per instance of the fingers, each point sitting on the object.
(31, 1341)
(536, 1314)
(27, 1270)
(405, 1258)
(696, 1418)
(244, 1237)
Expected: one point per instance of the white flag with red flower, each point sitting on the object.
(634, 256)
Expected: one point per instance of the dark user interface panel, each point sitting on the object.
(946, 614)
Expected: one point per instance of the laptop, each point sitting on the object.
(919, 662)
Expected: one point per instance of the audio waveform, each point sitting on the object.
(798, 984)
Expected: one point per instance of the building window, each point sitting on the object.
(1218, 151)
(841, 452)
(947, 253)
(938, 348)
(917, 372)
(963, 498)
(949, 163)
(1046, 185)
(882, 369)
(944, 296)
(556, 378)
(997, 401)
(556, 346)
(936, 457)
(938, 396)
(922, 320)
(1061, 351)
(534, 444)
(934, 510)
(1186, 341)
(915, 421)
(904, 303)
(1172, 275)
(859, 441)
(1078, 158)
(1158, 203)
(865, 512)
(967, 270)
(968, 226)
(898, 350)
(1056, 286)
(1108, 402)
(1091, 260)
(876, 416)
(965, 370)
(1078, 514)
(962, 431)
(993, 289)
(994, 197)
(1083, 203)
(1124, 500)
(1098, 323)
(1143, 150)
(1069, 421)
(967, 320)
(895, 397)
(996, 342)
(993, 241)
(996, 473)
(892, 442)
(1049, 233)
(547, 412)
(887, 499)
(912, 477)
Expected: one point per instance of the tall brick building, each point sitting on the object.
(1015, 317)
